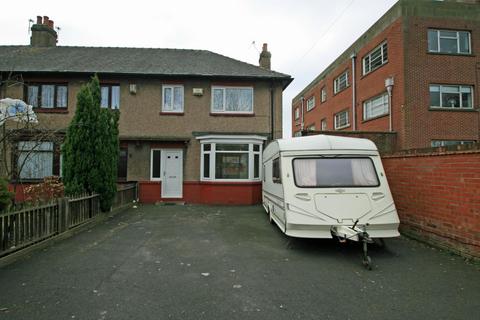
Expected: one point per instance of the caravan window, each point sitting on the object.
(276, 171)
(334, 172)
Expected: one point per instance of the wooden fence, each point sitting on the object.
(21, 228)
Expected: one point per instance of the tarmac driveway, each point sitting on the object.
(198, 262)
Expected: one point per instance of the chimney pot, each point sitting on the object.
(265, 58)
(39, 19)
(45, 20)
(50, 23)
(43, 33)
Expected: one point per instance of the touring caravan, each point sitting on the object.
(328, 186)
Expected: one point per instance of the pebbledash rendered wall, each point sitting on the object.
(437, 195)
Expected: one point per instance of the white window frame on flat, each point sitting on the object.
(297, 113)
(337, 117)
(311, 103)
(337, 83)
(442, 90)
(323, 94)
(381, 49)
(444, 143)
(376, 107)
(224, 88)
(214, 140)
(439, 37)
(172, 109)
(323, 124)
(152, 178)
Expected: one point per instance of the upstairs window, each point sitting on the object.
(172, 98)
(449, 41)
(297, 113)
(232, 100)
(451, 96)
(110, 96)
(376, 58)
(375, 107)
(341, 82)
(323, 124)
(48, 96)
(323, 94)
(341, 120)
(311, 103)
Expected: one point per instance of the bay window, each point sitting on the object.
(232, 100)
(231, 159)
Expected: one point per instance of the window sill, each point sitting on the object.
(451, 54)
(343, 127)
(166, 113)
(218, 114)
(375, 118)
(452, 109)
(50, 110)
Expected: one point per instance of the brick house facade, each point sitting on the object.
(427, 51)
(192, 122)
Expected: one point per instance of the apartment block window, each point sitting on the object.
(375, 107)
(323, 94)
(449, 41)
(297, 134)
(47, 96)
(311, 103)
(35, 159)
(311, 127)
(323, 124)
(172, 98)
(231, 161)
(110, 96)
(232, 100)
(446, 143)
(341, 120)
(297, 113)
(376, 58)
(451, 96)
(341, 82)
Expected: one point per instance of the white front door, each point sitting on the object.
(172, 179)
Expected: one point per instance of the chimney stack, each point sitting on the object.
(43, 33)
(265, 58)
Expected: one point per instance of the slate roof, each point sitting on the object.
(138, 61)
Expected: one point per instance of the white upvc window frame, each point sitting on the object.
(297, 113)
(338, 127)
(323, 124)
(444, 143)
(213, 140)
(368, 104)
(337, 81)
(310, 103)
(152, 178)
(460, 87)
(383, 47)
(457, 37)
(323, 94)
(172, 87)
(223, 111)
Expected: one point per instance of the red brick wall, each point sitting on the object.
(437, 196)
(423, 68)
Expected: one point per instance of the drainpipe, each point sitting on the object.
(354, 94)
(272, 110)
(302, 124)
(389, 85)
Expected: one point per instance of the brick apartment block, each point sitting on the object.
(430, 53)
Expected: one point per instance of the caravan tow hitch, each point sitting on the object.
(344, 233)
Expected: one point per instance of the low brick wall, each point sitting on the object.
(437, 195)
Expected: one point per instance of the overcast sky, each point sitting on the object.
(304, 36)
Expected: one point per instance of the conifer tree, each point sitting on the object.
(5, 195)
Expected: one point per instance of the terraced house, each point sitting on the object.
(415, 74)
(193, 123)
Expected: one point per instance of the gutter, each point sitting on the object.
(354, 93)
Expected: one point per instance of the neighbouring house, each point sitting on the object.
(193, 123)
(415, 73)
